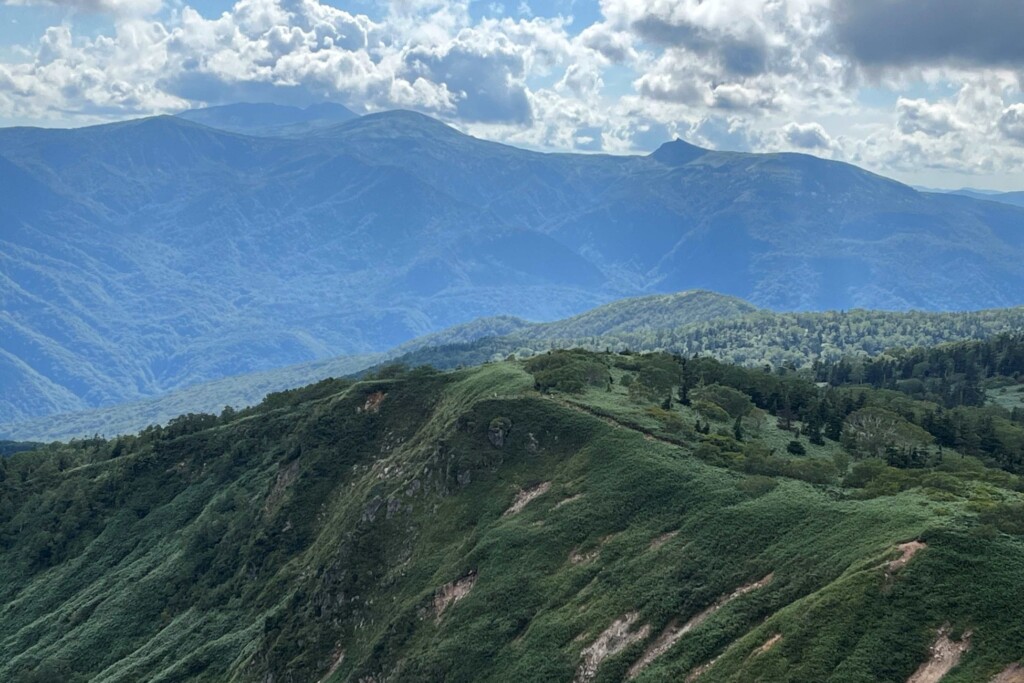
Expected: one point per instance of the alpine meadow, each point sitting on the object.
(449, 341)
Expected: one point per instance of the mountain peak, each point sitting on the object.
(405, 119)
(678, 153)
(256, 118)
(395, 124)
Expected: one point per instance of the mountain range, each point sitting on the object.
(270, 120)
(1012, 198)
(686, 323)
(146, 256)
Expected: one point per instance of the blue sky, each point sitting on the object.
(928, 92)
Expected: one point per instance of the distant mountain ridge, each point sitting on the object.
(693, 322)
(151, 255)
(1015, 198)
(630, 315)
(1011, 198)
(270, 120)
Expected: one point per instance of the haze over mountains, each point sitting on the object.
(1012, 198)
(150, 255)
(270, 120)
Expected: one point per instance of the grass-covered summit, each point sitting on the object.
(575, 517)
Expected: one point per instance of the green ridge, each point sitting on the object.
(325, 522)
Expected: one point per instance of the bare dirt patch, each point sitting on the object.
(566, 501)
(907, 550)
(663, 539)
(767, 645)
(673, 632)
(524, 497)
(612, 640)
(944, 655)
(373, 401)
(450, 593)
(577, 557)
(700, 671)
(1011, 674)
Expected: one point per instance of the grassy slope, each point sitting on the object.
(207, 397)
(305, 530)
(627, 315)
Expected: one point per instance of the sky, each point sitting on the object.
(925, 91)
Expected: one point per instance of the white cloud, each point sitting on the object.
(1011, 123)
(921, 116)
(808, 136)
(755, 75)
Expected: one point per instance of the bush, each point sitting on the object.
(796, 448)
(570, 372)
(732, 401)
(710, 411)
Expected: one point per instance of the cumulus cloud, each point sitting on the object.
(1011, 123)
(757, 75)
(485, 72)
(808, 136)
(884, 33)
(921, 116)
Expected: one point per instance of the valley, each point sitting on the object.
(151, 255)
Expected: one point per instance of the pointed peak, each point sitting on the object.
(677, 153)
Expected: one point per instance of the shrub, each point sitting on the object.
(570, 372)
(732, 401)
(710, 411)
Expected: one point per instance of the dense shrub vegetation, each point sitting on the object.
(321, 534)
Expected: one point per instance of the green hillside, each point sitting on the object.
(574, 517)
(206, 397)
(688, 322)
(627, 315)
(731, 332)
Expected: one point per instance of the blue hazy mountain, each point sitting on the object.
(270, 119)
(1012, 198)
(149, 255)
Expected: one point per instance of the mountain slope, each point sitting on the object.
(270, 120)
(693, 322)
(753, 339)
(1011, 198)
(150, 255)
(632, 315)
(464, 527)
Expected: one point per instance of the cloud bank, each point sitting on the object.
(929, 87)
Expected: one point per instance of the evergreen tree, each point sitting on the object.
(737, 428)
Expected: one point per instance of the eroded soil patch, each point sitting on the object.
(450, 593)
(663, 539)
(524, 497)
(673, 632)
(767, 645)
(944, 655)
(907, 550)
(700, 671)
(1011, 674)
(566, 501)
(612, 640)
